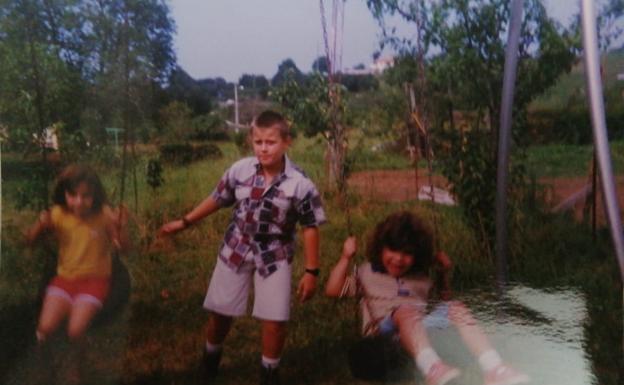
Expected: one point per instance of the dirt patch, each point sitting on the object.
(403, 185)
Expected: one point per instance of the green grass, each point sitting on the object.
(560, 160)
(158, 339)
(570, 87)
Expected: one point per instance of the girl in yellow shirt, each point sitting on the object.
(87, 231)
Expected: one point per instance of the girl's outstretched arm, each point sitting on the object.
(338, 275)
(43, 224)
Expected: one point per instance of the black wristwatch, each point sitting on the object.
(314, 272)
(186, 222)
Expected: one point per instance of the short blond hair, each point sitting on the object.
(270, 118)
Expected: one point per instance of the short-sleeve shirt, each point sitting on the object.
(84, 246)
(263, 224)
(381, 293)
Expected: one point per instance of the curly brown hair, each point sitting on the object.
(403, 232)
(69, 179)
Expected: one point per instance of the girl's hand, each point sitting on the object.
(43, 224)
(349, 248)
(171, 228)
(443, 261)
(120, 215)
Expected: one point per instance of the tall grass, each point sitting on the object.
(562, 160)
(158, 339)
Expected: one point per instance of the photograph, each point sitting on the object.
(302, 192)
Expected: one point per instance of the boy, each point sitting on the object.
(270, 195)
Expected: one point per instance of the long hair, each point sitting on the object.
(69, 179)
(403, 232)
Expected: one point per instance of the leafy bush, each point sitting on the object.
(184, 153)
(571, 126)
(208, 127)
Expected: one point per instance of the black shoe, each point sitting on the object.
(210, 365)
(269, 376)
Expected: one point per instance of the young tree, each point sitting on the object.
(462, 47)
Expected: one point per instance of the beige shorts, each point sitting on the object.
(228, 292)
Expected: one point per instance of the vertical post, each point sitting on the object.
(236, 108)
(0, 202)
(594, 87)
(509, 79)
(601, 142)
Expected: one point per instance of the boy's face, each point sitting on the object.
(396, 263)
(269, 146)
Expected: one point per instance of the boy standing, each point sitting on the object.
(270, 195)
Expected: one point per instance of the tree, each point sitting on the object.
(461, 45)
(285, 69)
(257, 85)
(183, 88)
(321, 65)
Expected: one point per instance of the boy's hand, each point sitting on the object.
(307, 287)
(171, 228)
(349, 248)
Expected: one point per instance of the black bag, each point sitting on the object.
(379, 358)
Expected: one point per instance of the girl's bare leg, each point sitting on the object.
(53, 312)
(81, 315)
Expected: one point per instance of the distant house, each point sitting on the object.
(375, 68)
(382, 64)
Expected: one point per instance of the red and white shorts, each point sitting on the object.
(91, 289)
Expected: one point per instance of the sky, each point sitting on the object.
(229, 38)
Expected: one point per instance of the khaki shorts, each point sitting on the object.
(228, 292)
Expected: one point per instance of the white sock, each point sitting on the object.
(210, 348)
(425, 360)
(489, 360)
(270, 362)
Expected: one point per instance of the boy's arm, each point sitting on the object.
(307, 284)
(44, 223)
(205, 208)
(338, 275)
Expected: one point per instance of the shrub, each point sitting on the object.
(571, 126)
(184, 153)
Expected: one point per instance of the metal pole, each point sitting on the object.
(594, 87)
(236, 107)
(509, 79)
(601, 142)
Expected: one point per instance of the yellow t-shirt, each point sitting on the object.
(84, 245)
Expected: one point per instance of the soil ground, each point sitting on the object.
(403, 185)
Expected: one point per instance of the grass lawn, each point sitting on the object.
(158, 338)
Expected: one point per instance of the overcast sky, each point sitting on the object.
(228, 38)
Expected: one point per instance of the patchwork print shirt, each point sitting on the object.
(263, 225)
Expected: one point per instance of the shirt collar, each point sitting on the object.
(286, 172)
